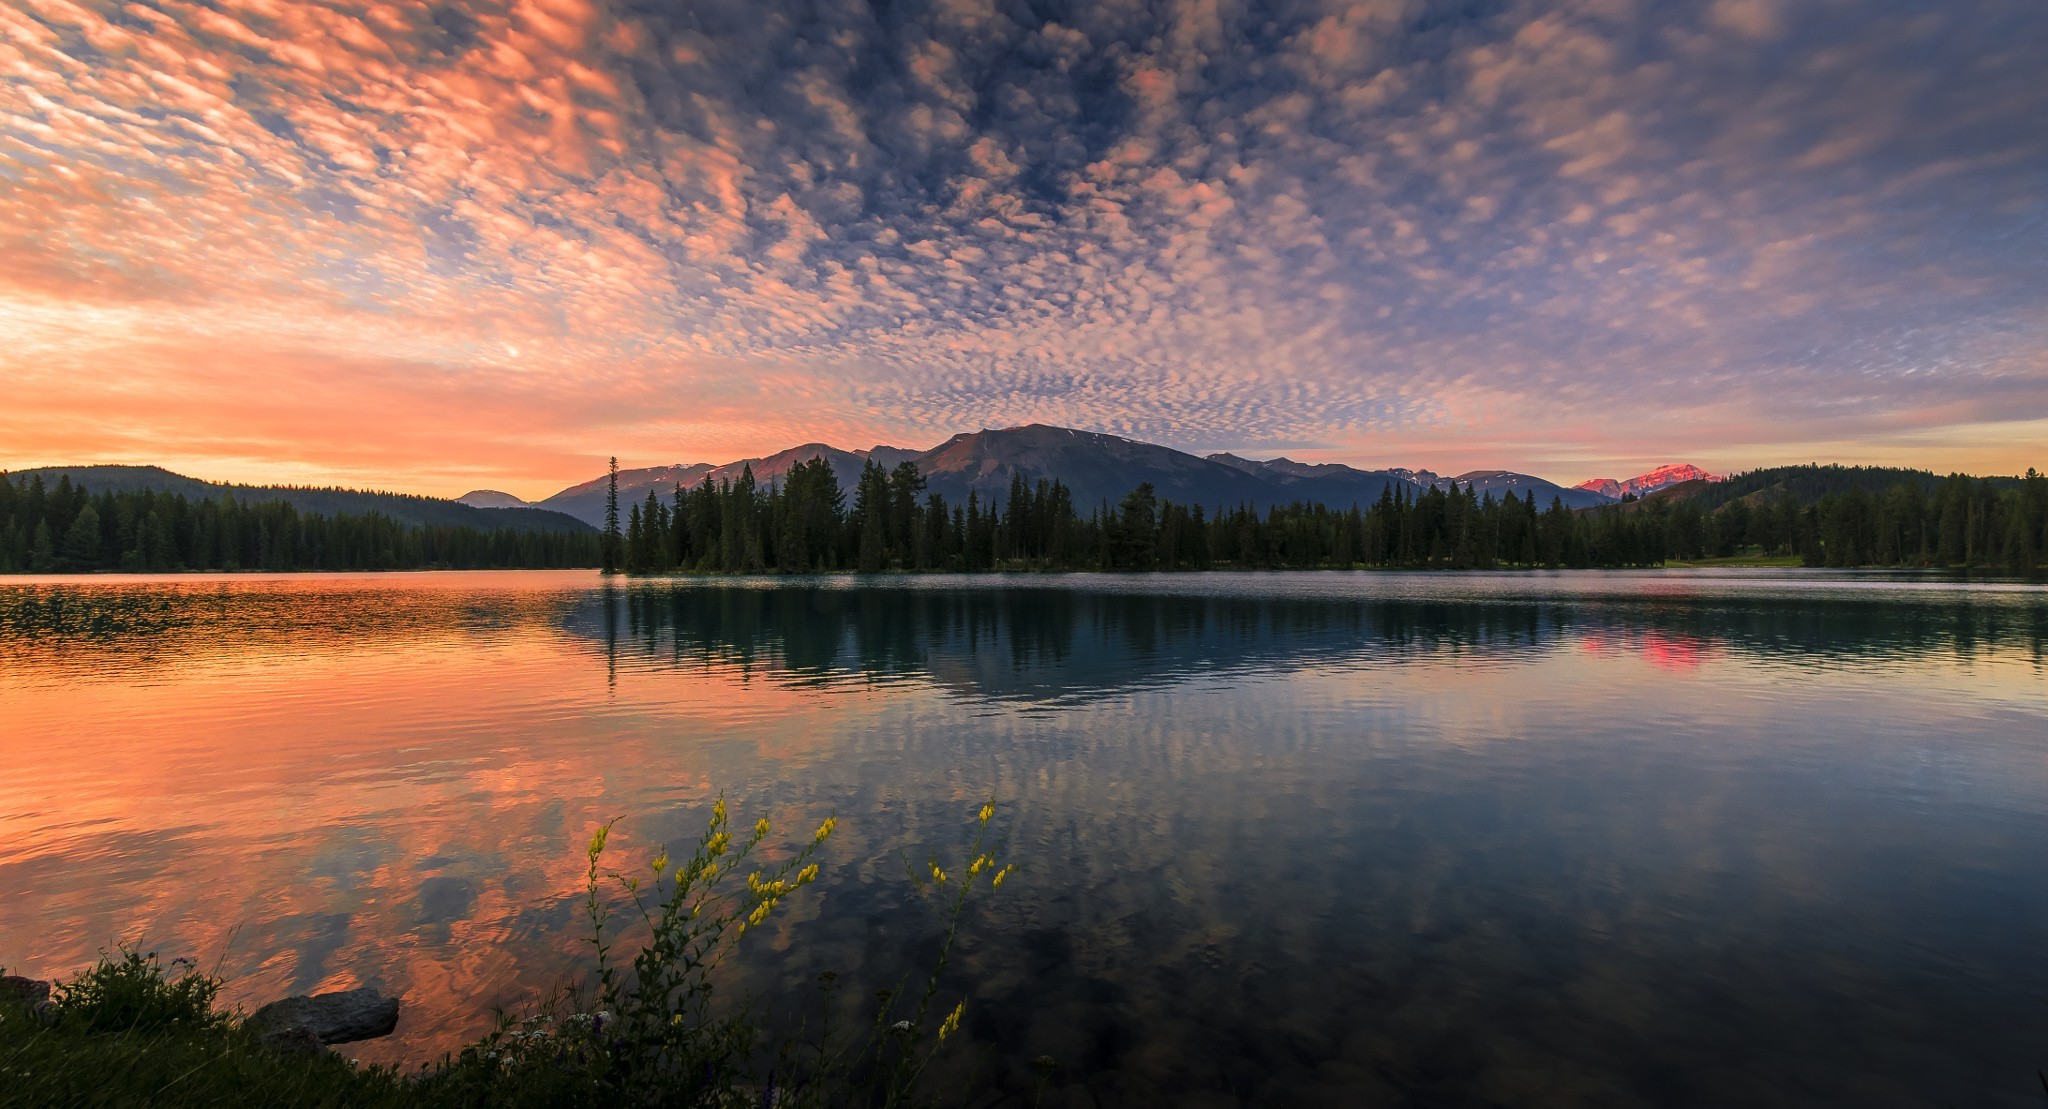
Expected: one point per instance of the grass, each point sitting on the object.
(1752, 560)
(132, 1030)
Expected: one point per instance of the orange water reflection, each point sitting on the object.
(1674, 653)
(1223, 804)
(275, 797)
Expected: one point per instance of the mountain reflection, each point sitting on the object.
(1040, 642)
(1310, 838)
(1024, 638)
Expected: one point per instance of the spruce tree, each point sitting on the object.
(82, 540)
(611, 521)
(42, 550)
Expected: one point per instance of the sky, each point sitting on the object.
(437, 246)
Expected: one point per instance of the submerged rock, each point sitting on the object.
(300, 1023)
(16, 990)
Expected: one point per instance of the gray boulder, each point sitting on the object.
(326, 1018)
(16, 990)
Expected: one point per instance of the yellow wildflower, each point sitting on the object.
(807, 874)
(717, 844)
(977, 866)
(938, 875)
(761, 828)
(1002, 874)
(718, 811)
(987, 811)
(952, 1023)
(825, 829)
(660, 863)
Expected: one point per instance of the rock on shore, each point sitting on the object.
(308, 1022)
(23, 991)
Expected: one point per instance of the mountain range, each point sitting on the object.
(1642, 484)
(1097, 468)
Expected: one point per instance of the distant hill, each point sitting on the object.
(1809, 483)
(890, 457)
(1325, 478)
(490, 498)
(1507, 483)
(1682, 491)
(1094, 467)
(1329, 483)
(1641, 484)
(586, 501)
(402, 507)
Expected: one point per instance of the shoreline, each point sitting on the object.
(1738, 563)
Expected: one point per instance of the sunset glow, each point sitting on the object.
(431, 247)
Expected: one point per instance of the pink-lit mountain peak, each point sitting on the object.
(1647, 483)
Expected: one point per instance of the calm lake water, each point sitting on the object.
(1563, 839)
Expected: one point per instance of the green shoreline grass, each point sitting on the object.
(1758, 562)
(132, 1031)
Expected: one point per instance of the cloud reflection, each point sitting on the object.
(1352, 838)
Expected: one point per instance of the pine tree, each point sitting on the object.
(82, 540)
(42, 550)
(611, 521)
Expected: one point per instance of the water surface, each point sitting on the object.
(1569, 839)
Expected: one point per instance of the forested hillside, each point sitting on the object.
(403, 508)
(1808, 484)
(1879, 516)
(1823, 516)
(806, 524)
(66, 528)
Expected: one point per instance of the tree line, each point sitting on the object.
(71, 529)
(806, 524)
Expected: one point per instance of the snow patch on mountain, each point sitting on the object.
(1646, 483)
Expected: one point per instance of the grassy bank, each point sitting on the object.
(1744, 560)
(133, 1030)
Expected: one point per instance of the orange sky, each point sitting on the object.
(436, 247)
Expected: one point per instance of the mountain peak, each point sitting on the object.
(1656, 479)
(490, 498)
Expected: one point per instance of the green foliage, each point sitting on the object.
(1955, 522)
(407, 509)
(656, 1034)
(130, 1031)
(68, 529)
(610, 543)
(130, 992)
(1808, 484)
(1822, 516)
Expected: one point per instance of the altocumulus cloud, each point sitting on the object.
(353, 236)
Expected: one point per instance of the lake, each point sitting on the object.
(1663, 838)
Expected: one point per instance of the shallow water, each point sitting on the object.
(1574, 839)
